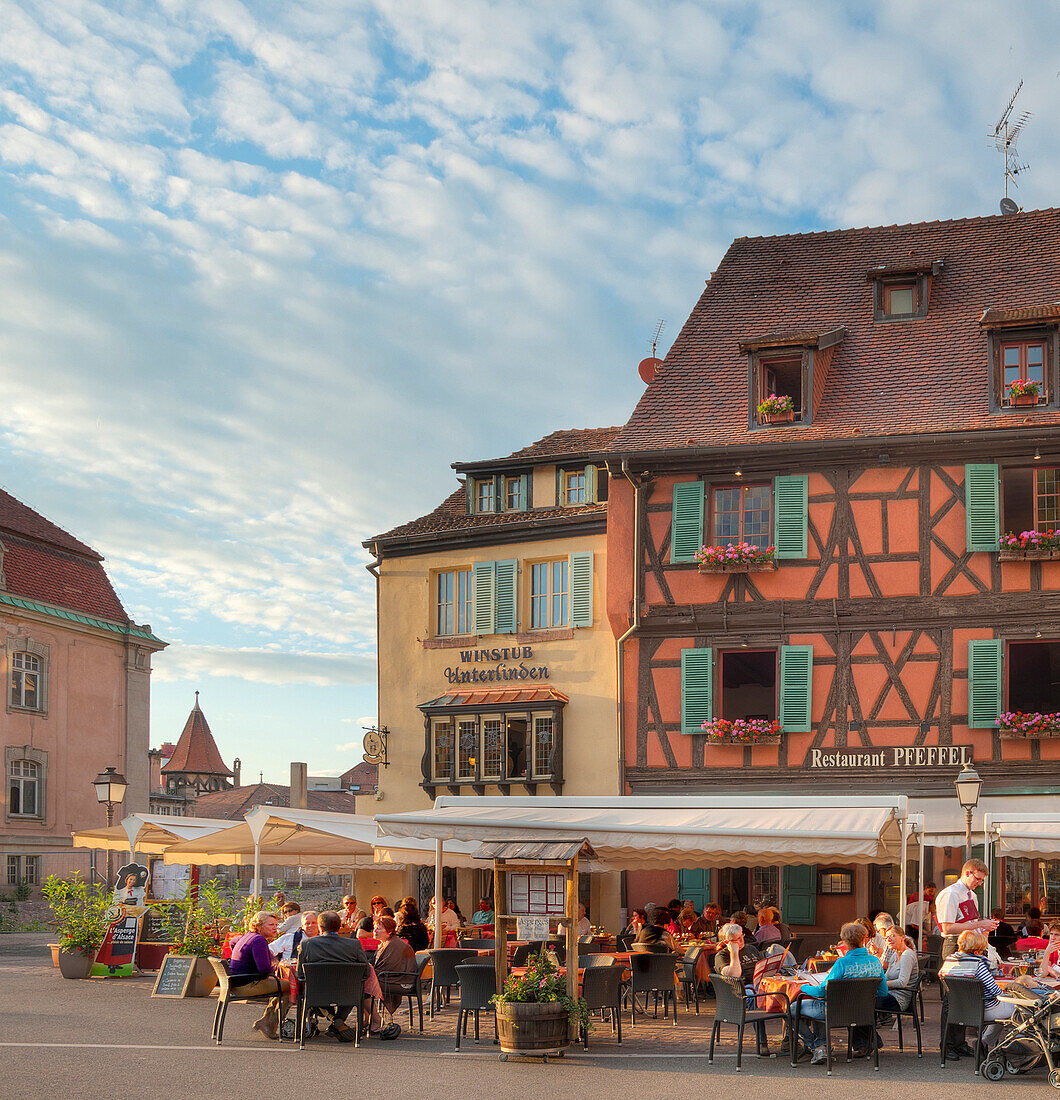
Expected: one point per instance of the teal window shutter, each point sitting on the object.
(791, 506)
(581, 588)
(982, 505)
(796, 687)
(686, 529)
(799, 895)
(483, 576)
(697, 688)
(590, 484)
(469, 485)
(524, 492)
(984, 683)
(505, 574)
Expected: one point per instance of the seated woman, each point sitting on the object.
(250, 971)
(768, 930)
(409, 926)
(970, 962)
(902, 972)
(654, 936)
(855, 962)
(395, 964)
(1050, 964)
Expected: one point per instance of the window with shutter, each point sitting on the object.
(796, 687)
(483, 598)
(791, 511)
(581, 588)
(504, 617)
(984, 683)
(982, 506)
(697, 684)
(686, 528)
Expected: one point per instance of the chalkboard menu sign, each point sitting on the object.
(174, 976)
(161, 924)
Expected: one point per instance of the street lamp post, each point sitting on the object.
(968, 786)
(110, 791)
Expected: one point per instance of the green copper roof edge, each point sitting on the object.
(75, 617)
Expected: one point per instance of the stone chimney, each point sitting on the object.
(299, 786)
(154, 760)
(237, 767)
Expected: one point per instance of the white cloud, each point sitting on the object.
(262, 666)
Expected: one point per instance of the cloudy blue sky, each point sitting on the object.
(267, 268)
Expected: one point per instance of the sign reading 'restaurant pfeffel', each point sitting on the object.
(511, 664)
(914, 756)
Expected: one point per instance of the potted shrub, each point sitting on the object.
(80, 914)
(739, 557)
(207, 921)
(776, 410)
(534, 1013)
(1021, 392)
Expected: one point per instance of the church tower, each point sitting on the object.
(196, 763)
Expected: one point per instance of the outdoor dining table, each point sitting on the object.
(287, 969)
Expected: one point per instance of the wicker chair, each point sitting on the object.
(444, 962)
(654, 974)
(226, 995)
(732, 1009)
(602, 989)
(962, 1004)
(910, 1013)
(686, 974)
(477, 984)
(849, 1003)
(330, 983)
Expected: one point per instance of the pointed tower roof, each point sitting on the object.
(196, 752)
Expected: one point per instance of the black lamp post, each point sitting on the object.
(968, 786)
(110, 791)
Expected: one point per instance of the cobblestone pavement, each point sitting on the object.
(111, 1038)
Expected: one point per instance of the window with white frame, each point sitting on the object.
(14, 870)
(467, 748)
(574, 487)
(26, 670)
(514, 488)
(544, 742)
(24, 789)
(549, 594)
(485, 495)
(453, 602)
(442, 754)
(23, 869)
(492, 748)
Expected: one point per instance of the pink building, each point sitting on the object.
(77, 676)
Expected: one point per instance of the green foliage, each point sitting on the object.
(206, 921)
(542, 983)
(80, 912)
(23, 891)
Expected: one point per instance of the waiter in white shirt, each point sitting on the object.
(957, 911)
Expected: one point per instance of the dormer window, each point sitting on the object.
(902, 291)
(783, 378)
(1023, 372)
(498, 493)
(485, 496)
(1022, 352)
(900, 299)
(514, 494)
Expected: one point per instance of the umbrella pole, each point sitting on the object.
(256, 888)
(437, 894)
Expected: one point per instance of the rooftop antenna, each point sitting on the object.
(1006, 133)
(655, 339)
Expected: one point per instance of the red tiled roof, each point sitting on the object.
(196, 752)
(568, 442)
(361, 775)
(1020, 315)
(17, 518)
(899, 377)
(233, 804)
(42, 572)
(496, 698)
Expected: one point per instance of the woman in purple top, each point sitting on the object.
(250, 971)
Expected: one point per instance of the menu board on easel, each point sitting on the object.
(174, 976)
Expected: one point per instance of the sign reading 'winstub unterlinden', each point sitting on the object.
(509, 663)
(913, 756)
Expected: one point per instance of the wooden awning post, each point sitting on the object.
(572, 927)
(500, 924)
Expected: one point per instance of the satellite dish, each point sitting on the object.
(1009, 206)
(648, 368)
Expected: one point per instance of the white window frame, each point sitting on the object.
(23, 652)
(550, 595)
(515, 483)
(575, 488)
(25, 774)
(485, 495)
(454, 602)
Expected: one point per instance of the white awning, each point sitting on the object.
(150, 834)
(315, 840)
(643, 831)
(944, 819)
(1026, 835)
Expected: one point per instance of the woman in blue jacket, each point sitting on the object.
(856, 963)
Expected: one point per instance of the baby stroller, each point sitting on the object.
(1029, 1036)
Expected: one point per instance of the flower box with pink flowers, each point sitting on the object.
(739, 557)
(1017, 725)
(1029, 546)
(742, 731)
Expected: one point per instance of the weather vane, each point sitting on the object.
(1006, 133)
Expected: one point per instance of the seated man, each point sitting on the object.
(584, 927)
(285, 947)
(653, 936)
(1033, 940)
(855, 963)
(291, 918)
(484, 915)
(330, 947)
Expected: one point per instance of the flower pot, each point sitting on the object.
(532, 1028)
(203, 979)
(54, 948)
(768, 739)
(778, 417)
(1024, 399)
(76, 963)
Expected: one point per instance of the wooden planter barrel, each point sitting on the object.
(539, 1029)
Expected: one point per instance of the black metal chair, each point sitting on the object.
(330, 983)
(732, 1009)
(849, 1003)
(585, 941)
(595, 961)
(933, 959)
(477, 985)
(226, 995)
(653, 974)
(479, 945)
(588, 953)
(522, 953)
(794, 945)
(910, 1012)
(686, 975)
(602, 989)
(400, 986)
(624, 939)
(962, 1005)
(444, 962)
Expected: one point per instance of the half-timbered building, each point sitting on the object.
(867, 413)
